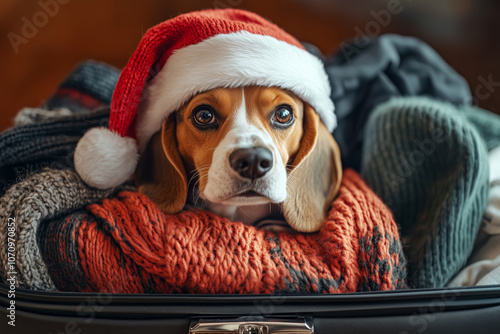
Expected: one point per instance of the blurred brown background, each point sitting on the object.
(464, 32)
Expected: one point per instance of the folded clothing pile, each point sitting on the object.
(405, 124)
(38, 151)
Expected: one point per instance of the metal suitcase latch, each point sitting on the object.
(252, 325)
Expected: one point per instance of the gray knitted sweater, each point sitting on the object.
(40, 197)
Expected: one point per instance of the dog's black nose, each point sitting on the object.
(251, 163)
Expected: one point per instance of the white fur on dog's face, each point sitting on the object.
(224, 182)
(243, 117)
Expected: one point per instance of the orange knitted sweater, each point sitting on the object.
(126, 245)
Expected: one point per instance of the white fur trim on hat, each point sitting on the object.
(234, 60)
(104, 159)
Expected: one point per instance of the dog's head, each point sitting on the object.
(244, 146)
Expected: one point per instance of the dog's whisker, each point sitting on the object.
(196, 194)
(198, 198)
(194, 177)
(203, 167)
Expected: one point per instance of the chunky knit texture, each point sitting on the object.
(430, 166)
(39, 197)
(126, 245)
(54, 138)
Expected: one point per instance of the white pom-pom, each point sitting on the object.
(104, 159)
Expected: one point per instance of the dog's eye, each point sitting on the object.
(203, 116)
(283, 116)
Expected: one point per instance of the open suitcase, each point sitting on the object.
(454, 310)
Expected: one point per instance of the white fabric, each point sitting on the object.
(485, 272)
(484, 267)
(494, 157)
(37, 115)
(492, 214)
(234, 60)
(493, 277)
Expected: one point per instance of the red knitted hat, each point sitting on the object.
(187, 55)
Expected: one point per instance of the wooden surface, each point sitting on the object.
(464, 32)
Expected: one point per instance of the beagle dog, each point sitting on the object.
(258, 155)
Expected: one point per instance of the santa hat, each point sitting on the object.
(187, 55)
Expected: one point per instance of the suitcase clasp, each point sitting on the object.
(252, 325)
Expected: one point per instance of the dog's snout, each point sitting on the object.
(251, 163)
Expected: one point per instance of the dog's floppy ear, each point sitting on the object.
(315, 176)
(160, 174)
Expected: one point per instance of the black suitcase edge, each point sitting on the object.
(466, 310)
